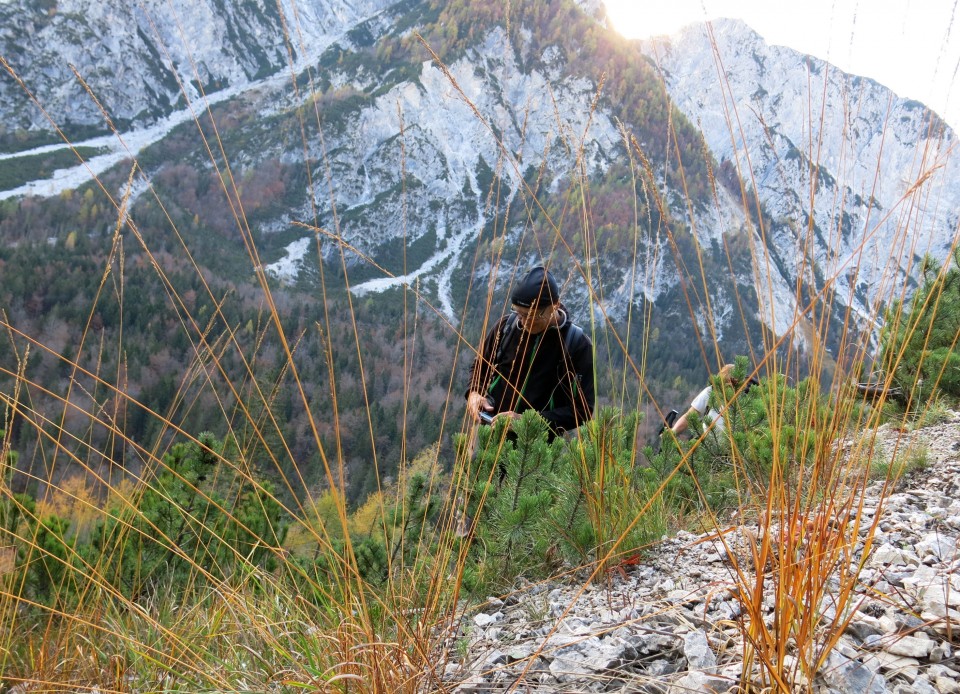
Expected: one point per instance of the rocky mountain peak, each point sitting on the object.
(839, 163)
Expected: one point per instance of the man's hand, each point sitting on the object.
(477, 402)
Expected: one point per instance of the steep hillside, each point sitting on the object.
(663, 623)
(435, 146)
(858, 184)
(143, 60)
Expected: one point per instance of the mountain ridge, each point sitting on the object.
(782, 136)
(176, 50)
(686, 62)
(538, 136)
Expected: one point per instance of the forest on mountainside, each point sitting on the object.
(146, 320)
(169, 313)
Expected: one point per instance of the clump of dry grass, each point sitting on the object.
(307, 615)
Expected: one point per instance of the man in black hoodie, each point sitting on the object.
(534, 358)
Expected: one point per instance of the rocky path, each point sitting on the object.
(673, 623)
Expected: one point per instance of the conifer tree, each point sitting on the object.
(516, 482)
(919, 338)
(12, 506)
(182, 528)
(43, 549)
(410, 519)
(603, 491)
(49, 579)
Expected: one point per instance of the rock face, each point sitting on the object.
(674, 622)
(831, 156)
(138, 57)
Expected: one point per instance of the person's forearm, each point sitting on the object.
(680, 425)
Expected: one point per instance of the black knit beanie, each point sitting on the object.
(536, 288)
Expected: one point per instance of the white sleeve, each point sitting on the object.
(701, 402)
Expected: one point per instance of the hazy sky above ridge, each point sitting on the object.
(910, 46)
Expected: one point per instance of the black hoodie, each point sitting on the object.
(534, 372)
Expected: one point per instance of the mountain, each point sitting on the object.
(376, 147)
(502, 108)
(857, 183)
(143, 60)
(823, 151)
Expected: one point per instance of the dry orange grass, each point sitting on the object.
(255, 632)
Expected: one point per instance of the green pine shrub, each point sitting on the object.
(14, 508)
(770, 433)
(190, 526)
(48, 578)
(919, 338)
(539, 504)
(603, 491)
(189, 521)
(43, 547)
(410, 524)
(513, 487)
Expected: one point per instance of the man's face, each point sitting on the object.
(536, 319)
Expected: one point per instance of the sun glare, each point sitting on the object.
(634, 19)
(855, 36)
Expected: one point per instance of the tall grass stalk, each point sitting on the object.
(187, 562)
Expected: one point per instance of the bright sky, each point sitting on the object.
(910, 46)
